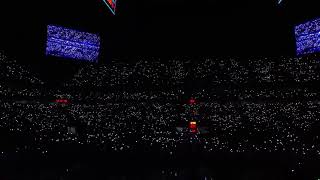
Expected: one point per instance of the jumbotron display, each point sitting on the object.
(73, 44)
(111, 4)
(308, 37)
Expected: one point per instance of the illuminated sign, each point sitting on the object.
(112, 4)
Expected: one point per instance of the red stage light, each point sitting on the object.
(193, 125)
(192, 101)
(64, 101)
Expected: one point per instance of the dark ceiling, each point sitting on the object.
(160, 27)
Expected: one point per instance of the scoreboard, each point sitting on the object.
(112, 5)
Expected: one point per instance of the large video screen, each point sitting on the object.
(73, 44)
(111, 4)
(308, 37)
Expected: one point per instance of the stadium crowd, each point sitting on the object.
(139, 107)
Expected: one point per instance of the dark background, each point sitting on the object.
(159, 27)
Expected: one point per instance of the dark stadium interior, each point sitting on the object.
(229, 67)
(146, 27)
(189, 26)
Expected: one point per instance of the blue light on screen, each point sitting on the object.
(308, 37)
(73, 44)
